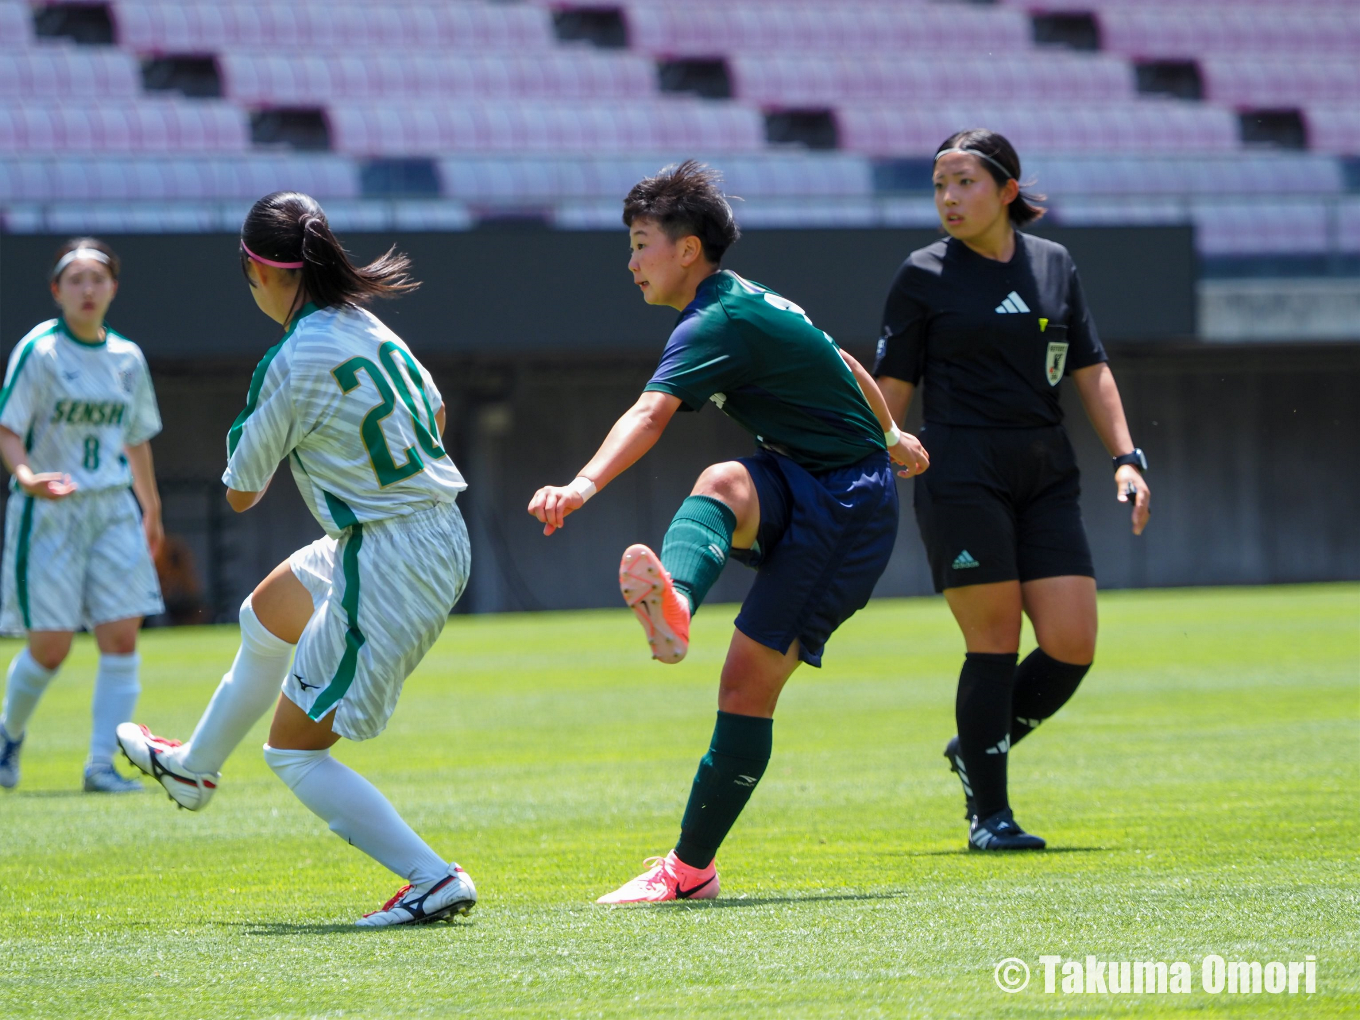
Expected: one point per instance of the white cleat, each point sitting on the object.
(155, 756)
(423, 904)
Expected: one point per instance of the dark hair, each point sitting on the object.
(114, 264)
(289, 226)
(1025, 208)
(686, 200)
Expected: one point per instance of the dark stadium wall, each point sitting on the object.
(530, 289)
(1252, 447)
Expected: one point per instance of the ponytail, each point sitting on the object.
(289, 228)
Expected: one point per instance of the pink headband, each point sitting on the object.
(271, 262)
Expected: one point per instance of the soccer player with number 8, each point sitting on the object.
(359, 420)
(76, 416)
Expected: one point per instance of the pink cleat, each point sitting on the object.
(663, 612)
(668, 878)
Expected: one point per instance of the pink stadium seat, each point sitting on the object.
(122, 126)
(790, 80)
(1261, 228)
(56, 71)
(268, 78)
(16, 25)
(537, 126)
(1333, 129)
(199, 27)
(1262, 81)
(713, 29)
(1145, 126)
(1187, 31)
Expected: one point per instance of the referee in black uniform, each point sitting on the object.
(992, 319)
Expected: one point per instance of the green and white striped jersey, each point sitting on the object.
(78, 404)
(342, 397)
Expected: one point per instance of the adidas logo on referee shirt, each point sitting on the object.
(964, 560)
(1014, 303)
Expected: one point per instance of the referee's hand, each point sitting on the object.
(910, 456)
(1129, 482)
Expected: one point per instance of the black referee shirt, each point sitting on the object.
(991, 339)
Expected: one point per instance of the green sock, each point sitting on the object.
(727, 776)
(697, 544)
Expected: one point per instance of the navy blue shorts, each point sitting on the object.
(823, 543)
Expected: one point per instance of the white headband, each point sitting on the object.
(979, 155)
(79, 253)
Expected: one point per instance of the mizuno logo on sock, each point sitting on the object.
(746, 780)
(1014, 304)
(964, 561)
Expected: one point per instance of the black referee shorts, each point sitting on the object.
(1000, 505)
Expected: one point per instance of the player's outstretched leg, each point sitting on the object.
(116, 687)
(24, 687)
(190, 772)
(727, 776)
(665, 592)
(358, 813)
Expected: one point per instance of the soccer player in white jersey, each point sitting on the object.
(76, 416)
(359, 421)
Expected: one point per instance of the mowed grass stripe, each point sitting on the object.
(1199, 794)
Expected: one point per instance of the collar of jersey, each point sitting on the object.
(66, 331)
(303, 312)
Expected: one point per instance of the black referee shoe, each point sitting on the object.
(1001, 832)
(951, 753)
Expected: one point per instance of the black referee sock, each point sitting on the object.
(982, 711)
(727, 775)
(1042, 686)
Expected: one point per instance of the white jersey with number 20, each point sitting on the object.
(343, 398)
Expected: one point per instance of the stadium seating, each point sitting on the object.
(501, 116)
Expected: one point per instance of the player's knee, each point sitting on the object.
(725, 481)
(49, 656)
(255, 635)
(292, 766)
(1076, 648)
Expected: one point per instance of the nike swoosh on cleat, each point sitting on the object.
(684, 894)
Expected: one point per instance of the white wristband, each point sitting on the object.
(583, 487)
(892, 438)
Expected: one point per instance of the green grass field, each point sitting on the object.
(1199, 796)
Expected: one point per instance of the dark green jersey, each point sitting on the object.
(762, 361)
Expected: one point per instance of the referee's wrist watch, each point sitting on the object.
(1137, 458)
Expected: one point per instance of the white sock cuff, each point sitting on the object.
(25, 663)
(293, 766)
(257, 637)
(121, 666)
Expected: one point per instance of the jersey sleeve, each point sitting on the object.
(700, 359)
(267, 429)
(23, 391)
(902, 341)
(145, 420)
(1084, 346)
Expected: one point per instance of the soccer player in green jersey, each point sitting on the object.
(814, 510)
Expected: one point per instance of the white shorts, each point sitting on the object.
(75, 562)
(382, 594)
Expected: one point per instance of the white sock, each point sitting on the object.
(26, 683)
(246, 692)
(115, 698)
(357, 812)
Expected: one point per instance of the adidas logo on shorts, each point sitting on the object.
(964, 561)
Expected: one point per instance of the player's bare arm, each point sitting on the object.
(42, 484)
(907, 452)
(633, 435)
(148, 496)
(1100, 397)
